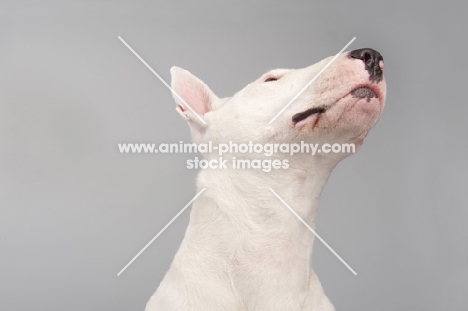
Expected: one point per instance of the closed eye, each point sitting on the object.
(269, 79)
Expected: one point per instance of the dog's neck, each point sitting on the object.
(243, 197)
(240, 226)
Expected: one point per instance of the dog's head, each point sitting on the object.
(340, 105)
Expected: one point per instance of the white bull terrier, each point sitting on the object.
(243, 249)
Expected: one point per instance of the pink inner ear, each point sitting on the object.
(192, 90)
(194, 94)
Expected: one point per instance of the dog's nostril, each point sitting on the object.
(373, 62)
(367, 57)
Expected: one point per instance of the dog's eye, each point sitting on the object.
(269, 79)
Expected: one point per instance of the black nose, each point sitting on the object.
(373, 62)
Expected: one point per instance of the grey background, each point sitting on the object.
(73, 211)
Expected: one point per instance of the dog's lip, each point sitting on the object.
(363, 92)
(366, 91)
(298, 117)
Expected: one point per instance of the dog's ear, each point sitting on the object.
(191, 91)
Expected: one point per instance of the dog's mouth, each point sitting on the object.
(298, 117)
(361, 92)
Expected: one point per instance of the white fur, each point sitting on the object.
(243, 249)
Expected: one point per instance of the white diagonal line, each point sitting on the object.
(162, 80)
(162, 230)
(311, 81)
(312, 230)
